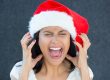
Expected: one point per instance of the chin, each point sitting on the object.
(56, 61)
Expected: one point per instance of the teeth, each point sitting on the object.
(55, 48)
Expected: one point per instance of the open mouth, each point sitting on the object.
(55, 53)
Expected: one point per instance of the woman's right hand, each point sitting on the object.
(28, 61)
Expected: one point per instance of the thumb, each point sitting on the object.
(38, 58)
(74, 60)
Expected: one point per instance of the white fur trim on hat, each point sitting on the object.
(52, 18)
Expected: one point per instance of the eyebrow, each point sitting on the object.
(63, 31)
(51, 32)
(47, 32)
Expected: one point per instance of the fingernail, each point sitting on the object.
(74, 41)
(27, 32)
(67, 55)
(34, 40)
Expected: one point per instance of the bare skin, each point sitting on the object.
(53, 37)
(51, 71)
(81, 60)
(28, 62)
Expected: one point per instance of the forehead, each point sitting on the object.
(53, 28)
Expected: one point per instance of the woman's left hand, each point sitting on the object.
(81, 59)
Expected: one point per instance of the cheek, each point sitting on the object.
(67, 44)
(43, 44)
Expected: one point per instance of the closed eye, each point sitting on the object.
(63, 34)
(47, 34)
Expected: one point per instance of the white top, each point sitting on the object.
(14, 74)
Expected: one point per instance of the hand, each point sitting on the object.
(81, 59)
(28, 62)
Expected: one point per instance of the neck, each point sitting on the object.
(53, 70)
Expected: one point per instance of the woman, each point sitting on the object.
(55, 48)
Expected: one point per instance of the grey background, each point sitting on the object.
(14, 18)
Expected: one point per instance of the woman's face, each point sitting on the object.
(54, 43)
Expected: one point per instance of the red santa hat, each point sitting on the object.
(52, 13)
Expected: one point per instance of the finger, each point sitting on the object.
(26, 37)
(83, 39)
(69, 58)
(31, 45)
(74, 60)
(86, 41)
(78, 45)
(24, 43)
(85, 35)
(26, 34)
(25, 40)
(37, 59)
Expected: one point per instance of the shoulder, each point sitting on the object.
(75, 74)
(15, 72)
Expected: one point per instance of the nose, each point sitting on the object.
(55, 40)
